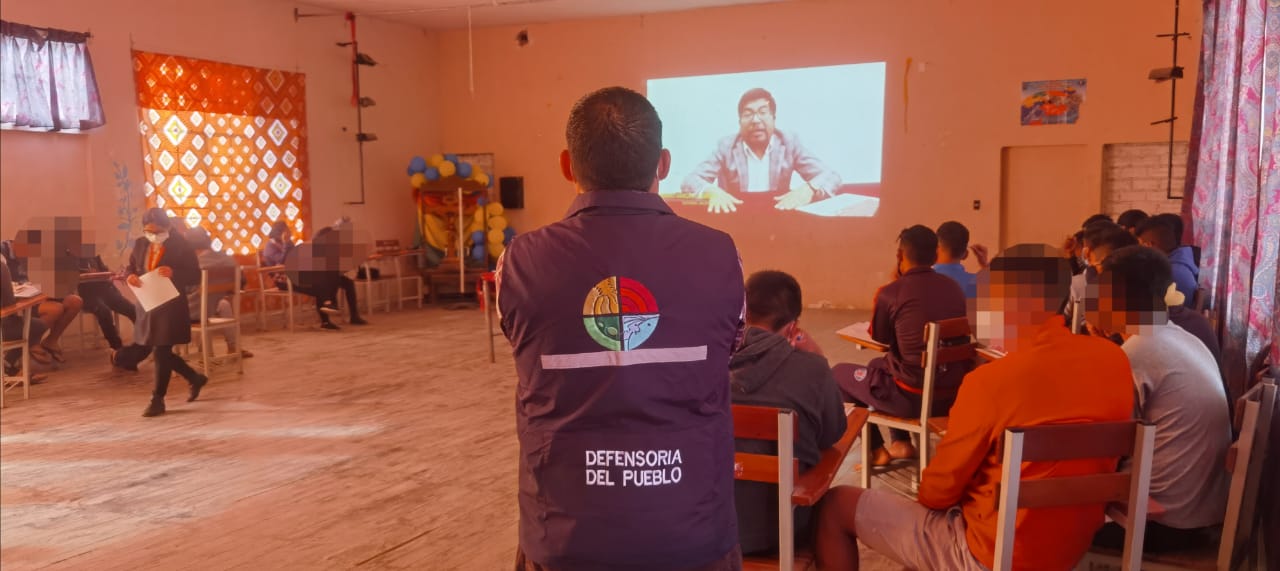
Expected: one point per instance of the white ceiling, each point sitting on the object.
(445, 14)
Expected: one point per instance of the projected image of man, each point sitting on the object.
(760, 158)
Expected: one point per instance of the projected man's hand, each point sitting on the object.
(720, 201)
(799, 196)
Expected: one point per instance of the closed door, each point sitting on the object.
(1045, 193)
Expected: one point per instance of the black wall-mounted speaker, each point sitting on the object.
(511, 189)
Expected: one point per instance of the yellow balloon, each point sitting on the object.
(496, 237)
(497, 223)
(446, 168)
(481, 178)
(435, 160)
(496, 249)
(494, 208)
(418, 179)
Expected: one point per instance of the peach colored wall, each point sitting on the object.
(942, 144)
(56, 174)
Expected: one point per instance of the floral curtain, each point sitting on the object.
(46, 79)
(224, 146)
(1233, 195)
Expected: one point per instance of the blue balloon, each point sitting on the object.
(410, 171)
(482, 201)
(477, 237)
(464, 170)
(477, 251)
(507, 234)
(416, 165)
(451, 158)
(432, 173)
(490, 175)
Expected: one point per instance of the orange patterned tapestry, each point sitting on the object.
(224, 146)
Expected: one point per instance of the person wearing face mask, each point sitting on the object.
(1048, 377)
(893, 384)
(769, 369)
(164, 251)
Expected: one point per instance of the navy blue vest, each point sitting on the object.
(622, 317)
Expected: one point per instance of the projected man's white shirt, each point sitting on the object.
(758, 169)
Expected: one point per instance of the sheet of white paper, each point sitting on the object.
(26, 290)
(860, 330)
(155, 290)
(844, 205)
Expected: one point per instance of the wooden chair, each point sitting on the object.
(285, 296)
(779, 425)
(947, 341)
(255, 284)
(216, 283)
(1245, 460)
(382, 257)
(26, 308)
(1062, 442)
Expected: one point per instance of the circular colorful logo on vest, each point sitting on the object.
(620, 313)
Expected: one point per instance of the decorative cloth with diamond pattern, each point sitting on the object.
(224, 146)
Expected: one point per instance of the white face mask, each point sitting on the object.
(156, 237)
(989, 327)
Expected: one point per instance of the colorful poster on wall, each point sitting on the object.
(1054, 102)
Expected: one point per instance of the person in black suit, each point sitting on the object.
(163, 250)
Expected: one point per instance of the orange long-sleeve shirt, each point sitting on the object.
(1054, 378)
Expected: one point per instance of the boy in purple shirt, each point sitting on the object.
(893, 384)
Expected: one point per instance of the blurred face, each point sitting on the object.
(1115, 311)
(1010, 307)
(755, 122)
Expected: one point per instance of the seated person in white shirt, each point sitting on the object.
(760, 158)
(1178, 390)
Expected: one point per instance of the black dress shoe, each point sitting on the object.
(197, 384)
(357, 320)
(156, 408)
(329, 325)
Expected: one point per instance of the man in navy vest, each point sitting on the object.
(622, 318)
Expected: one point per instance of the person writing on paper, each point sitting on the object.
(166, 253)
(760, 158)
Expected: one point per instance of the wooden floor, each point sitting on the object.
(390, 446)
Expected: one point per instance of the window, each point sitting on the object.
(46, 79)
(224, 146)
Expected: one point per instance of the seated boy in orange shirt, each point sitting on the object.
(1049, 377)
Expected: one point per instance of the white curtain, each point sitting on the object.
(46, 79)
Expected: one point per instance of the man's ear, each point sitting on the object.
(566, 166)
(664, 164)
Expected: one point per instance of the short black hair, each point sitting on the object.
(757, 93)
(1035, 268)
(1132, 218)
(773, 298)
(954, 237)
(1160, 232)
(1110, 236)
(1175, 222)
(1138, 277)
(919, 245)
(1095, 218)
(615, 140)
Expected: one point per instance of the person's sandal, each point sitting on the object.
(56, 353)
(40, 355)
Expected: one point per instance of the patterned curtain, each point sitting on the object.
(1233, 195)
(224, 146)
(46, 79)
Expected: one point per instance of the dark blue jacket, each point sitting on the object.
(622, 317)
